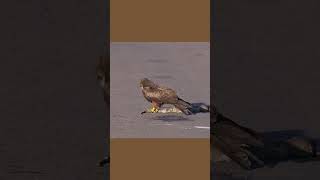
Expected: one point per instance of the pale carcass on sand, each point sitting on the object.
(195, 108)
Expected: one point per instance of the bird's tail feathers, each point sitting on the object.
(184, 106)
(187, 104)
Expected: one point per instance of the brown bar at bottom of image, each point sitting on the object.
(160, 159)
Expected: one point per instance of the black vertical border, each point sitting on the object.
(107, 55)
(32, 23)
(213, 36)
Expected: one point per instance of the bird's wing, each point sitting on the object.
(152, 94)
(167, 95)
(237, 142)
(235, 134)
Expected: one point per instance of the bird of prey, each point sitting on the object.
(251, 149)
(233, 140)
(159, 95)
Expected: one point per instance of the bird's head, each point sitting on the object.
(146, 83)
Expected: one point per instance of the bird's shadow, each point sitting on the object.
(170, 118)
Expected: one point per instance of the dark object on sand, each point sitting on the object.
(251, 149)
(159, 95)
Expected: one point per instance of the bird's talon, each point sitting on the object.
(154, 110)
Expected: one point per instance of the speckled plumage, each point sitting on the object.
(159, 95)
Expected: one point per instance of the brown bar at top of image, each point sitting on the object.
(160, 20)
(160, 159)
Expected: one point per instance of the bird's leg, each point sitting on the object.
(155, 107)
(151, 110)
(155, 110)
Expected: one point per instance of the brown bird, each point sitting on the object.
(251, 149)
(159, 95)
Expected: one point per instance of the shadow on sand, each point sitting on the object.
(170, 118)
